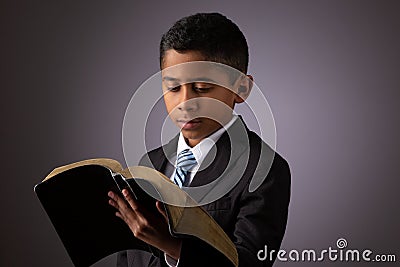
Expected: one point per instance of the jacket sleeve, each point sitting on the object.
(122, 260)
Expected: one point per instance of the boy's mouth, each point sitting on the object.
(185, 124)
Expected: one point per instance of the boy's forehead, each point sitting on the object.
(200, 71)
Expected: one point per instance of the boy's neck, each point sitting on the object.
(194, 142)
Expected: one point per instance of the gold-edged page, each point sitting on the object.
(112, 164)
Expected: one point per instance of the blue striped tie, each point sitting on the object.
(184, 163)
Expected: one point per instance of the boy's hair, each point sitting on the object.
(213, 35)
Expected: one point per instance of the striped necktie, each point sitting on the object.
(184, 163)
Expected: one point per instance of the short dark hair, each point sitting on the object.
(213, 35)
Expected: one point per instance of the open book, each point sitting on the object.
(75, 199)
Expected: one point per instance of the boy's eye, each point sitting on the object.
(173, 88)
(201, 88)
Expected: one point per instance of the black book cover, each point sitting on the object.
(76, 202)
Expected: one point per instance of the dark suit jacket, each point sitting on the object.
(251, 219)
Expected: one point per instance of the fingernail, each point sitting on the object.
(110, 194)
(125, 192)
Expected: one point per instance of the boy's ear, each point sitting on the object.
(244, 89)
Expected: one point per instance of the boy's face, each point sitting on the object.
(197, 108)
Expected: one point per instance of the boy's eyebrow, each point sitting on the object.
(199, 79)
(167, 78)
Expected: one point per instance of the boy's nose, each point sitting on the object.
(188, 100)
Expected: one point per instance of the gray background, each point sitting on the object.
(330, 70)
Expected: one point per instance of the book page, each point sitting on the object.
(112, 164)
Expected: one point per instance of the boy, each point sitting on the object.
(251, 219)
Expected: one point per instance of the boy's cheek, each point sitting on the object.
(172, 115)
(219, 114)
(203, 107)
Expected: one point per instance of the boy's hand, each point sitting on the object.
(145, 225)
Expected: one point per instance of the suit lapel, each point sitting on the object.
(161, 156)
(214, 165)
(225, 153)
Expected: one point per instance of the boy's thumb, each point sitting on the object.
(161, 209)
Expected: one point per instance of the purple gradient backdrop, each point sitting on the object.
(330, 70)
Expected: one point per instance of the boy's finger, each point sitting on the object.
(113, 203)
(162, 210)
(131, 200)
(113, 199)
(117, 202)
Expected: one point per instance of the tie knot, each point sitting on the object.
(186, 160)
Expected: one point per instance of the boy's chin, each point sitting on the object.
(193, 137)
(198, 131)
